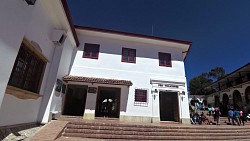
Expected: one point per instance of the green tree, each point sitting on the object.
(217, 73)
(198, 85)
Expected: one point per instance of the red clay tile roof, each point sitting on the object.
(97, 80)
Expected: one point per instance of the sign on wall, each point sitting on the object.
(63, 88)
(92, 89)
(58, 85)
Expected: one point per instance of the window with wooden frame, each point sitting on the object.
(91, 51)
(128, 55)
(165, 59)
(141, 97)
(28, 69)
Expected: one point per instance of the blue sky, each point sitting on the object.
(219, 29)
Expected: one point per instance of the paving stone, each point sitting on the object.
(18, 133)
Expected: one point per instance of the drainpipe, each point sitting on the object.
(153, 98)
(152, 106)
(180, 97)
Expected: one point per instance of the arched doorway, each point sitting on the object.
(237, 100)
(216, 101)
(225, 101)
(204, 102)
(247, 94)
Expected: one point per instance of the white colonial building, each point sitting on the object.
(141, 77)
(46, 71)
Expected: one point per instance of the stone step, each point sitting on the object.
(152, 126)
(179, 129)
(143, 137)
(116, 130)
(156, 133)
(224, 120)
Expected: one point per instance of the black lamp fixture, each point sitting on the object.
(31, 2)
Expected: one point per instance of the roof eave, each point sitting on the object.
(132, 34)
(67, 12)
(214, 83)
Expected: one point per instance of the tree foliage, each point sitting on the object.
(198, 84)
(217, 73)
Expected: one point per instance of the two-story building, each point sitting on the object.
(49, 68)
(128, 76)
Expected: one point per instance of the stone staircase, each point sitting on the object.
(115, 130)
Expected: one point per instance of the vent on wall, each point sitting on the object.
(58, 36)
(30, 2)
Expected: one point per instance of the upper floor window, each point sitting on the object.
(28, 69)
(165, 59)
(128, 55)
(91, 51)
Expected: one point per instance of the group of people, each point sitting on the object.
(196, 118)
(238, 115)
(216, 114)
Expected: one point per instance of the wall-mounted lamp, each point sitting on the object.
(154, 91)
(182, 93)
(31, 2)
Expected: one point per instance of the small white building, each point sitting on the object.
(45, 70)
(142, 76)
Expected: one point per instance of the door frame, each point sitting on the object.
(117, 91)
(65, 96)
(178, 104)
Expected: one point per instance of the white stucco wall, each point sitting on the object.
(19, 20)
(109, 65)
(16, 111)
(14, 15)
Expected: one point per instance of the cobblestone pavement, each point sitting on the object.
(18, 133)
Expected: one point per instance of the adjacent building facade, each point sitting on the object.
(232, 90)
(53, 68)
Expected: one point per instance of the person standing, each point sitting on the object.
(245, 112)
(242, 119)
(237, 116)
(217, 116)
(231, 116)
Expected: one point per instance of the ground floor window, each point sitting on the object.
(141, 97)
(28, 69)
